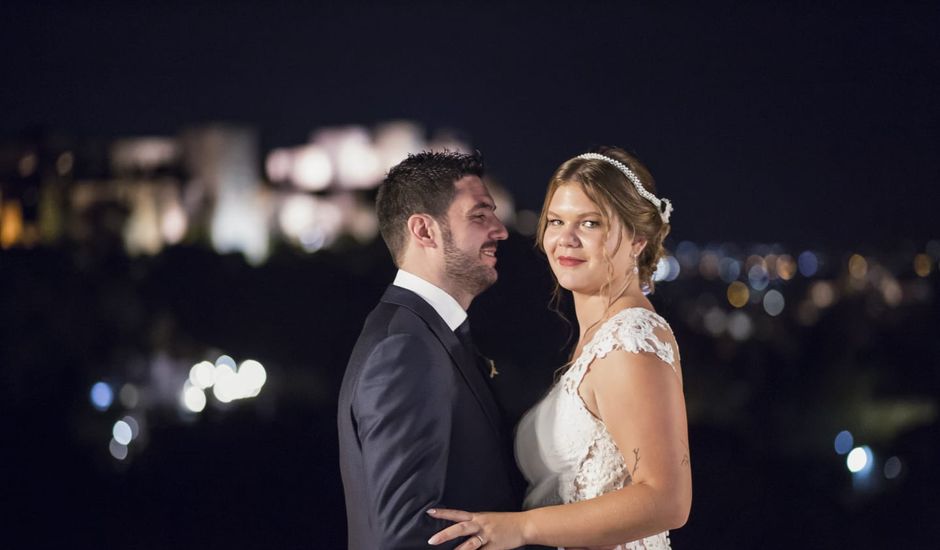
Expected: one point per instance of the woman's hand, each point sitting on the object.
(493, 531)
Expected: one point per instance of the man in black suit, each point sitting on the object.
(418, 425)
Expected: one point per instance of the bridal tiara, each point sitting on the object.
(663, 205)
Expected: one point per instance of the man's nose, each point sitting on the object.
(499, 231)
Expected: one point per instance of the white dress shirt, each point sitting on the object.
(443, 303)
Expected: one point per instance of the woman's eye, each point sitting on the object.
(554, 222)
(591, 224)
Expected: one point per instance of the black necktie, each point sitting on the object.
(466, 338)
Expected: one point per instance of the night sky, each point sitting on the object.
(762, 122)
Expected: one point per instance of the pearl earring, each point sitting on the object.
(636, 267)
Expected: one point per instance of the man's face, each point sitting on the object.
(470, 235)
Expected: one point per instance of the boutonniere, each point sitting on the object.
(492, 365)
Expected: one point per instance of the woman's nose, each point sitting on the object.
(569, 237)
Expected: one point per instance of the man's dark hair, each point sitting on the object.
(420, 184)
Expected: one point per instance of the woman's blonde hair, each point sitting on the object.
(610, 189)
(616, 196)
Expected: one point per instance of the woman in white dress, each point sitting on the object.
(606, 452)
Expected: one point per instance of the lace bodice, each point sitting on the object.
(564, 451)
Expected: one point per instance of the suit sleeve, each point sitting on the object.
(403, 408)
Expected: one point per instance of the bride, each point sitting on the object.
(606, 452)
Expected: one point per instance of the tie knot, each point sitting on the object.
(463, 333)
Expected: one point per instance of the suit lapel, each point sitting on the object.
(462, 357)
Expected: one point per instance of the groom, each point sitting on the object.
(418, 424)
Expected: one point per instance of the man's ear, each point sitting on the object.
(423, 230)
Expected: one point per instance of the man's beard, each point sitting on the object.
(466, 271)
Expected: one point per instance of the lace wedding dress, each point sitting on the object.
(564, 451)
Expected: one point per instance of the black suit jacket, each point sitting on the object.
(418, 428)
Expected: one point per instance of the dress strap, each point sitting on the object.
(633, 330)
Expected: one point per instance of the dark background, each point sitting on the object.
(802, 124)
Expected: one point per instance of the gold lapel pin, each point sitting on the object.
(492, 364)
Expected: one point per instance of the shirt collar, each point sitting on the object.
(443, 303)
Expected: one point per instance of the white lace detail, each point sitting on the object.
(599, 464)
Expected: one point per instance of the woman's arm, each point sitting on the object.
(640, 400)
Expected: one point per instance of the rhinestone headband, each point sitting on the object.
(663, 205)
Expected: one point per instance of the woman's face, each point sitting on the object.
(581, 247)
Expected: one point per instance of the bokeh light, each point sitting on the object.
(688, 254)
(667, 269)
(117, 450)
(738, 294)
(311, 168)
(858, 266)
(822, 293)
(716, 321)
(843, 442)
(122, 432)
(774, 303)
(708, 265)
(133, 425)
(202, 375)
(729, 269)
(740, 326)
(892, 467)
(786, 267)
(102, 396)
(808, 263)
(922, 265)
(193, 398)
(859, 460)
(757, 276)
(129, 395)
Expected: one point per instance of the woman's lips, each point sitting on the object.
(568, 261)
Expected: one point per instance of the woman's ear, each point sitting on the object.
(423, 230)
(637, 246)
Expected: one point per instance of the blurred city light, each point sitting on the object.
(688, 254)
(129, 395)
(279, 165)
(808, 263)
(773, 303)
(202, 375)
(740, 326)
(396, 140)
(667, 269)
(193, 398)
(822, 293)
(859, 460)
(738, 294)
(933, 249)
(858, 266)
(922, 265)
(133, 425)
(102, 396)
(843, 442)
(786, 267)
(311, 168)
(892, 467)
(891, 290)
(64, 163)
(27, 165)
(122, 432)
(226, 361)
(757, 277)
(708, 265)
(117, 450)
(716, 321)
(729, 269)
